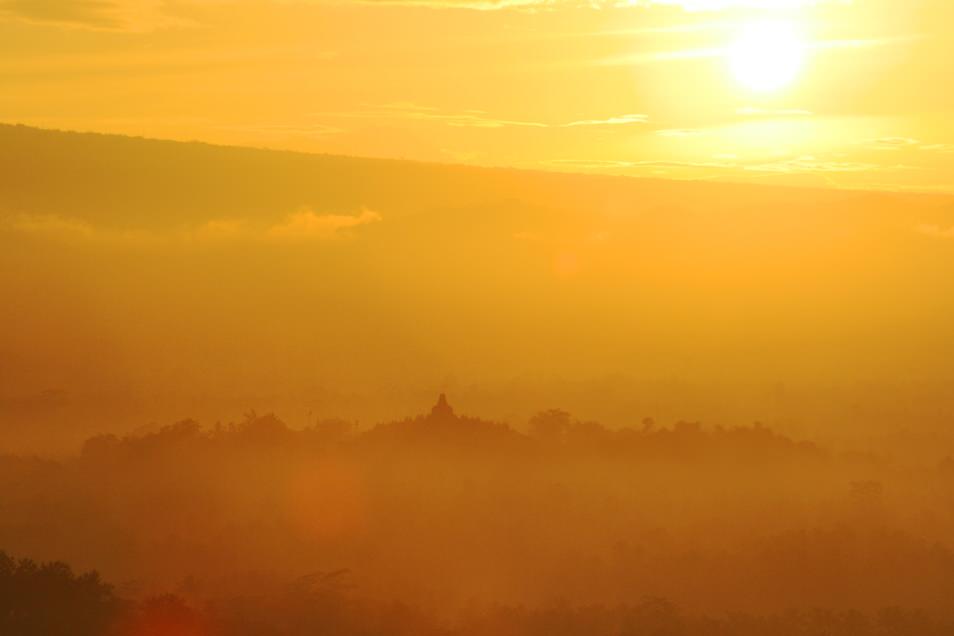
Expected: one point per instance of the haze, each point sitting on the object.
(466, 318)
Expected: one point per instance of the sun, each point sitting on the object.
(766, 55)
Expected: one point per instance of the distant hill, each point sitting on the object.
(134, 182)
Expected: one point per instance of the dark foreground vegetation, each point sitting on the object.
(50, 600)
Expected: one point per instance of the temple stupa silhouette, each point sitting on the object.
(442, 427)
(442, 410)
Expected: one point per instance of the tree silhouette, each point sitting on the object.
(47, 599)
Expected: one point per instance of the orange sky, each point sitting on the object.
(645, 87)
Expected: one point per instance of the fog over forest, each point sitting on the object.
(444, 523)
(256, 393)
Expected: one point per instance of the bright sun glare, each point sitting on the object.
(766, 55)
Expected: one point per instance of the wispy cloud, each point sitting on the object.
(680, 132)
(651, 57)
(810, 164)
(475, 5)
(303, 225)
(945, 148)
(144, 15)
(805, 164)
(906, 143)
(861, 43)
(891, 143)
(149, 14)
(471, 118)
(598, 164)
(125, 15)
(689, 5)
(57, 227)
(95, 13)
(754, 111)
(631, 32)
(588, 164)
(417, 112)
(306, 225)
(620, 120)
(49, 224)
(720, 5)
(306, 130)
(936, 231)
(164, 61)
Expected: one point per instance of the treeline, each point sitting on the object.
(48, 599)
(448, 513)
(550, 432)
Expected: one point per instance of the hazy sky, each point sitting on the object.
(850, 93)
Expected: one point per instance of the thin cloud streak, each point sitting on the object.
(650, 57)
(301, 226)
(805, 164)
(611, 121)
(753, 111)
(144, 15)
(471, 118)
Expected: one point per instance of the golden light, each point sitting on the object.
(767, 55)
